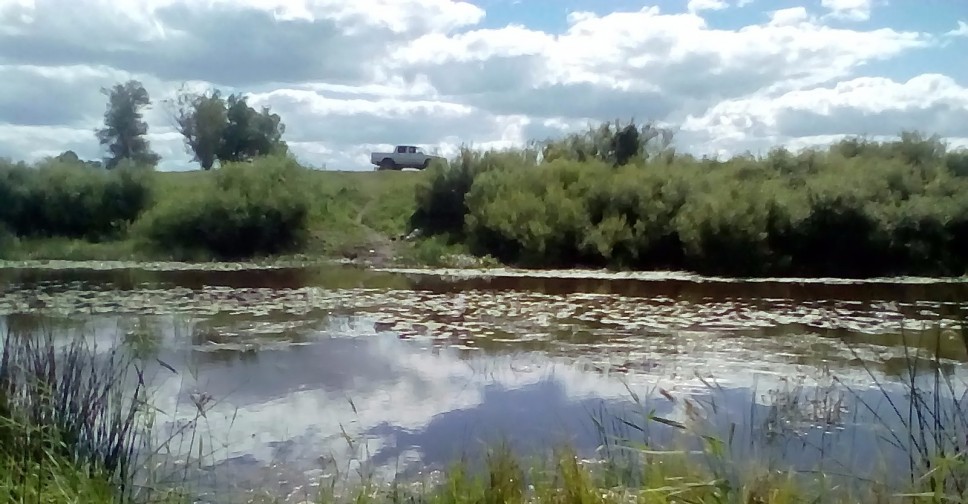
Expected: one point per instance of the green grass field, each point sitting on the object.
(349, 210)
(349, 214)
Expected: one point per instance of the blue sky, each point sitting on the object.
(931, 16)
(352, 77)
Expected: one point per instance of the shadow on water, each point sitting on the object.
(310, 371)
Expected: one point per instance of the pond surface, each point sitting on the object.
(311, 374)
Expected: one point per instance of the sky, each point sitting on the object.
(350, 77)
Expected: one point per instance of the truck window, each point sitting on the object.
(401, 149)
(413, 150)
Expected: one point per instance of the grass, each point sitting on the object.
(347, 215)
(66, 424)
(75, 425)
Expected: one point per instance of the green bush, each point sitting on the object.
(536, 216)
(239, 211)
(858, 208)
(72, 199)
(440, 197)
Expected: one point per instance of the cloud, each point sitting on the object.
(960, 31)
(850, 10)
(790, 16)
(348, 77)
(874, 106)
(695, 6)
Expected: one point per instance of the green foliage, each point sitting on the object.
(859, 208)
(227, 130)
(241, 210)
(536, 215)
(441, 196)
(8, 240)
(67, 430)
(72, 199)
(71, 157)
(124, 127)
(250, 133)
(614, 144)
(201, 119)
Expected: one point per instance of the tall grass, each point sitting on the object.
(932, 420)
(67, 417)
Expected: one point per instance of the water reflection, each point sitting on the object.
(311, 370)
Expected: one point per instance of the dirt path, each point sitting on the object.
(377, 249)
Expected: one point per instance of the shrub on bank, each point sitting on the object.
(239, 211)
(441, 205)
(72, 199)
(856, 209)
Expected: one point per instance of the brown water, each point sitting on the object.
(315, 373)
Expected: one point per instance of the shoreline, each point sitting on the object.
(459, 273)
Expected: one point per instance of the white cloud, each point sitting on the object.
(873, 106)
(850, 10)
(695, 6)
(791, 16)
(350, 76)
(960, 31)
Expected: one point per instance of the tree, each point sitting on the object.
(71, 157)
(68, 156)
(201, 119)
(612, 143)
(625, 144)
(124, 127)
(250, 133)
(226, 129)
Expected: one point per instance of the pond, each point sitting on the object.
(306, 375)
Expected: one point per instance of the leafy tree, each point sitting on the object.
(613, 143)
(124, 127)
(68, 156)
(226, 129)
(626, 144)
(249, 133)
(201, 119)
(71, 158)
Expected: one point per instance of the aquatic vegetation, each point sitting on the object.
(66, 414)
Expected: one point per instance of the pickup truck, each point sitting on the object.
(403, 156)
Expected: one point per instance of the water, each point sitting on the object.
(310, 374)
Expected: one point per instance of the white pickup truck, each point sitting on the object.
(403, 156)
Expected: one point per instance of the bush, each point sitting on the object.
(239, 211)
(857, 209)
(8, 240)
(440, 198)
(72, 199)
(536, 216)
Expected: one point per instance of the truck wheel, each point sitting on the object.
(425, 165)
(387, 164)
